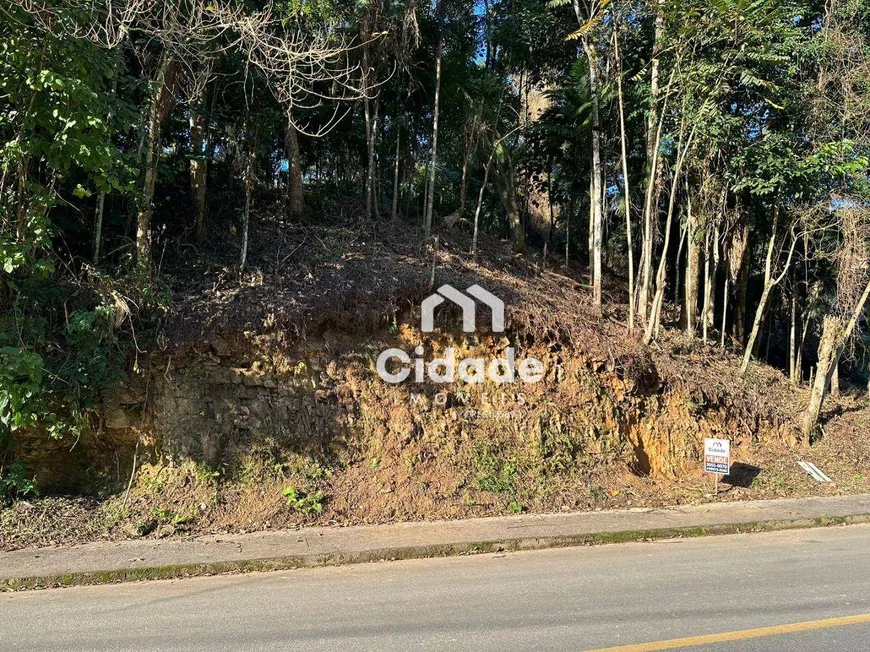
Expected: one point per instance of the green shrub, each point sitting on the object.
(15, 483)
(303, 501)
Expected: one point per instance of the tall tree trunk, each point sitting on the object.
(693, 268)
(552, 214)
(827, 352)
(469, 152)
(835, 334)
(590, 231)
(509, 199)
(765, 293)
(295, 192)
(625, 180)
(373, 159)
(661, 276)
(249, 193)
(654, 321)
(480, 203)
(198, 171)
(652, 142)
(152, 155)
(654, 166)
(709, 275)
(739, 257)
(425, 191)
(505, 183)
(596, 219)
(769, 283)
(568, 232)
(650, 215)
(597, 177)
(101, 198)
(805, 318)
(370, 158)
(21, 197)
(98, 226)
(741, 299)
(726, 293)
(487, 36)
(133, 206)
(463, 186)
(760, 313)
(395, 205)
(684, 232)
(368, 73)
(799, 356)
(430, 201)
(792, 340)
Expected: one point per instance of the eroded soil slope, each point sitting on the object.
(260, 407)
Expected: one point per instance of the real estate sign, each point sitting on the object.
(717, 456)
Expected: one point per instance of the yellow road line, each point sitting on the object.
(739, 635)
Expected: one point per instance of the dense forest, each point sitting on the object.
(700, 164)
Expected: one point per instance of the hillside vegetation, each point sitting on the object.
(262, 409)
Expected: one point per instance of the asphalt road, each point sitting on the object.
(570, 599)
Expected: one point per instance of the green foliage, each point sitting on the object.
(557, 447)
(57, 99)
(311, 10)
(303, 501)
(314, 471)
(496, 475)
(58, 356)
(21, 376)
(59, 121)
(165, 516)
(15, 483)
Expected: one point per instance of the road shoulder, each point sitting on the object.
(110, 562)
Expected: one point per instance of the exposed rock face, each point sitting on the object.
(324, 400)
(211, 411)
(235, 404)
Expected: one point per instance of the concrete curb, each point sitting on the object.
(420, 551)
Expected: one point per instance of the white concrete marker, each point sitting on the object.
(814, 472)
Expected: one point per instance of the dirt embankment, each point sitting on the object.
(264, 408)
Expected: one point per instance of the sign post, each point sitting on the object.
(717, 458)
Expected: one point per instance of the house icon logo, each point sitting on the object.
(468, 302)
(395, 365)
